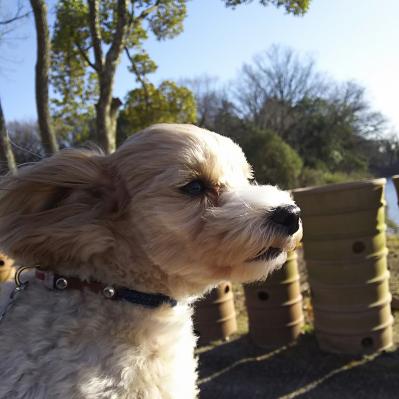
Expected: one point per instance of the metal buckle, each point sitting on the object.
(17, 277)
(20, 286)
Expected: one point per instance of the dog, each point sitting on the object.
(122, 244)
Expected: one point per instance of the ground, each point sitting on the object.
(238, 369)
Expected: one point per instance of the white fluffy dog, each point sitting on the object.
(123, 243)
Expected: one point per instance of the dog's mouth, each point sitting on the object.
(266, 254)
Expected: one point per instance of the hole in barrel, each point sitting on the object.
(358, 247)
(263, 295)
(367, 342)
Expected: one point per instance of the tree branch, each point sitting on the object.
(49, 140)
(135, 70)
(6, 153)
(95, 32)
(11, 20)
(83, 53)
(16, 17)
(143, 14)
(148, 11)
(120, 32)
(140, 78)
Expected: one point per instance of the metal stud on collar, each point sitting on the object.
(61, 283)
(109, 292)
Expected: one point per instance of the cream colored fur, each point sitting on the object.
(123, 219)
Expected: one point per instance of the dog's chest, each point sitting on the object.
(161, 363)
(84, 348)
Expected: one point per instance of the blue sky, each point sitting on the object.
(349, 39)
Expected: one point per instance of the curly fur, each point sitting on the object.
(123, 219)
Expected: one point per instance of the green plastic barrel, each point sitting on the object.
(346, 258)
(214, 315)
(274, 307)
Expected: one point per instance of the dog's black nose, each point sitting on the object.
(287, 216)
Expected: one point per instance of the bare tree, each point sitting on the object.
(26, 141)
(273, 84)
(6, 154)
(7, 24)
(208, 98)
(49, 141)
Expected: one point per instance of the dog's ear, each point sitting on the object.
(58, 201)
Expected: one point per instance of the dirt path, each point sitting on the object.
(238, 369)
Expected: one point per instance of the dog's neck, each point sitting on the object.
(169, 286)
(128, 266)
(115, 293)
(147, 278)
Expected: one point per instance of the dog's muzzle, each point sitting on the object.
(287, 217)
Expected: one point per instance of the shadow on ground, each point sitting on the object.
(238, 369)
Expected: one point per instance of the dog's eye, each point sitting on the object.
(195, 187)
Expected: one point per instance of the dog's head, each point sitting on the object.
(174, 202)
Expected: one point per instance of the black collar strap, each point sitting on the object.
(60, 283)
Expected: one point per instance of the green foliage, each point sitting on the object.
(327, 123)
(167, 21)
(322, 136)
(74, 74)
(75, 86)
(150, 104)
(274, 161)
(84, 60)
(141, 64)
(315, 177)
(327, 127)
(383, 154)
(296, 7)
(327, 134)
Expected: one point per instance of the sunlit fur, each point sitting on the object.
(124, 219)
(7, 268)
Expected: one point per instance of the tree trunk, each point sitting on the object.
(107, 110)
(104, 126)
(106, 123)
(114, 112)
(42, 81)
(6, 154)
(107, 107)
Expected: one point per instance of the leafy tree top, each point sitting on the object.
(147, 105)
(88, 39)
(91, 36)
(296, 7)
